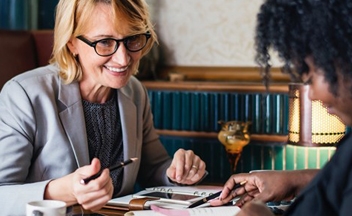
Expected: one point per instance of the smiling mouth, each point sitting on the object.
(116, 70)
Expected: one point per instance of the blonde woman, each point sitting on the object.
(85, 112)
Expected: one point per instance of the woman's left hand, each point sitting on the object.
(186, 167)
(255, 208)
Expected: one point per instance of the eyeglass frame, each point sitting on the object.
(118, 41)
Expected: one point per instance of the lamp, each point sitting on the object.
(309, 122)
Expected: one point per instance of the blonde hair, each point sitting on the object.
(72, 20)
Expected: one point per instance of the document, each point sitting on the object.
(201, 190)
(121, 201)
(124, 202)
(210, 211)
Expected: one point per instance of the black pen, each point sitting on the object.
(213, 196)
(120, 165)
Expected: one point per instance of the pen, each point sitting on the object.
(119, 165)
(213, 196)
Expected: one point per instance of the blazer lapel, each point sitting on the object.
(128, 114)
(73, 122)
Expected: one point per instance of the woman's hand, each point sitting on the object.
(186, 167)
(265, 186)
(92, 196)
(96, 193)
(255, 208)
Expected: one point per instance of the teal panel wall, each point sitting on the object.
(27, 14)
(46, 13)
(201, 111)
(299, 157)
(15, 14)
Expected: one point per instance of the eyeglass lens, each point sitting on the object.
(109, 45)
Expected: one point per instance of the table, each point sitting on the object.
(77, 210)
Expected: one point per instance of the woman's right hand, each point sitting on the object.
(91, 196)
(265, 186)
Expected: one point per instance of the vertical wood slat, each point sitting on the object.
(201, 111)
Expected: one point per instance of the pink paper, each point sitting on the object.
(170, 212)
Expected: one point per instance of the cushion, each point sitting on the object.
(17, 53)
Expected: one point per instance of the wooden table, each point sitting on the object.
(77, 210)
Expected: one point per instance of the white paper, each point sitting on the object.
(211, 211)
(121, 201)
(201, 190)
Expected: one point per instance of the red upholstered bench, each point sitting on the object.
(23, 50)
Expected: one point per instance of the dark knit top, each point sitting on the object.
(105, 136)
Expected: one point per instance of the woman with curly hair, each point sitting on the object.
(314, 40)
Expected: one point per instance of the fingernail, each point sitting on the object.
(178, 178)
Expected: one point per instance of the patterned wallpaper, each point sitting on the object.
(206, 32)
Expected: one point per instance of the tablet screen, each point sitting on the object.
(173, 196)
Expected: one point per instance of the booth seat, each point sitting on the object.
(23, 50)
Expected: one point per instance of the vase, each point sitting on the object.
(234, 136)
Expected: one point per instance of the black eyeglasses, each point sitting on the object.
(108, 46)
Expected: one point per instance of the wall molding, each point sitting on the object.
(216, 86)
(243, 74)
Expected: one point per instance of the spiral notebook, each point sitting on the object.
(169, 196)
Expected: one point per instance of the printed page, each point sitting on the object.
(203, 190)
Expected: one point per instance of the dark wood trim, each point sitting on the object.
(247, 74)
(194, 134)
(215, 86)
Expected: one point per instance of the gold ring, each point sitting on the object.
(195, 167)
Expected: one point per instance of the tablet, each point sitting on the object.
(169, 197)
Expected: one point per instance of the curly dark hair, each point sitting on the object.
(300, 28)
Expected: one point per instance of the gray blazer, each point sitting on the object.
(43, 137)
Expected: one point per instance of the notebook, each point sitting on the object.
(169, 196)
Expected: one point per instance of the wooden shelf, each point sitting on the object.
(213, 86)
(195, 134)
(213, 73)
